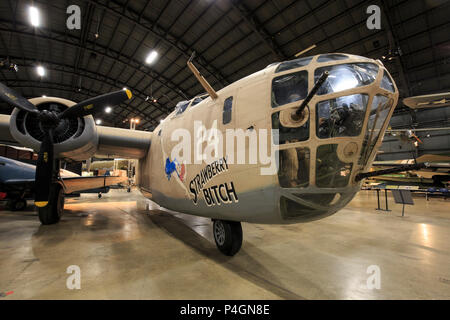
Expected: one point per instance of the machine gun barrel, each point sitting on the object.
(406, 167)
(312, 93)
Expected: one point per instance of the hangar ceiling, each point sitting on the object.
(231, 39)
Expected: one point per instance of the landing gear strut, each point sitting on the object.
(53, 211)
(228, 236)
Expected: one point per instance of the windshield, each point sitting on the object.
(346, 76)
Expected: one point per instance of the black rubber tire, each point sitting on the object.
(53, 211)
(18, 205)
(231, 243)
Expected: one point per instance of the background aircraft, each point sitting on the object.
(435, 175)
(330, 110)
(17, 183)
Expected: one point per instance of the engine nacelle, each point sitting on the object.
(76, 139)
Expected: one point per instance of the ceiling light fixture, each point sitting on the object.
(34, 16)
(40, 71)
(151, 57)
(108, 109)
(98, 121)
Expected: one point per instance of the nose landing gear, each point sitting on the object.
(228, 236)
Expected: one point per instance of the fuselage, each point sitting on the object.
(303, 170)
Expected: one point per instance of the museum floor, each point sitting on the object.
(128, 253)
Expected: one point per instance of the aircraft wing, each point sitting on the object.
(78, 184)
(18, 177)
(393, 164)
(428, 101)
(22, 186)
(70, 184)
(108, 142)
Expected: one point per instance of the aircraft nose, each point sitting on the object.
(320, 157)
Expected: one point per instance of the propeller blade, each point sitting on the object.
(10, 96)
(44, 171)
(93, 105)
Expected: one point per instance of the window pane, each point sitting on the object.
(227, 110)
(341, 117)
(331, 57)
(289, 88)
(346, 76)
(386, 82)
(292, 64)
(330, 171)
(196, 101)
(379, 111)
(181, 107)
(294, 168)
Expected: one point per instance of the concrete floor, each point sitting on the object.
(126, 252)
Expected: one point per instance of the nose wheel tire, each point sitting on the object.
(228, 236)
(53, 211)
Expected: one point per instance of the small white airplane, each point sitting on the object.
(328, 112)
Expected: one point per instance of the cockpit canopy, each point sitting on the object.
(183, 105)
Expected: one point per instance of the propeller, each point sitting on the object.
(11, 97)
(92, 105)
(44, 170)
(49, 120)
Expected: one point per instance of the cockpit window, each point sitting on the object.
(386, 82)
(289, 88)
(197, 100)
(342, 116)
(181, 107)
(331, 57)
(379, 111)
(297, 63)
(346, 76)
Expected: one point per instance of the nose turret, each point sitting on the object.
(337, 135)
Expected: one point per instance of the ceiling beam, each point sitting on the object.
(258, 28)
(6, 26)
(101, 79)
(159, 32)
